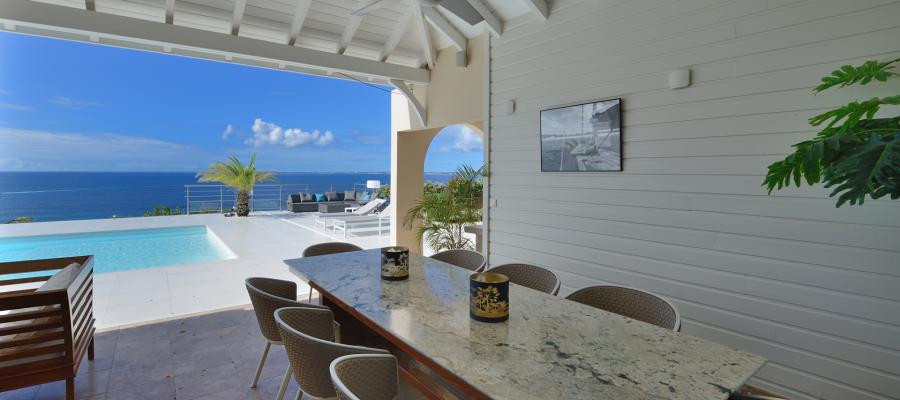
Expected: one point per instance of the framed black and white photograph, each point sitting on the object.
(582, 138)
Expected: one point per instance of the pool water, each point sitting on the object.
(122, 250)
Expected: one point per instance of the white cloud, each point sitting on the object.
(459, 138)
(16, 107)
(229, 130)
(267, 133)
(72, 103)
(467, 140)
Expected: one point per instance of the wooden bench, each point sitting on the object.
(45, 331)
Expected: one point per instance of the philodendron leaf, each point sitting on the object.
(869, 168)
(854, 154)
(863, 74)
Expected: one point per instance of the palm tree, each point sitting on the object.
(444, 213)
(238, 176)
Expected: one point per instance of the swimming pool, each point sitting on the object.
(122, 250)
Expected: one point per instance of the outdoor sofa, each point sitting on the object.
(308, 202)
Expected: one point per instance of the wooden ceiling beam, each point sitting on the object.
(397, 34)
(297, 21)
(539, 8)
(237, 16)
(201, 43)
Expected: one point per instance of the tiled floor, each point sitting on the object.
(206, 357)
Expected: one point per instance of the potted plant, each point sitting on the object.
(237, 176)
(855, 153)
(445, 210)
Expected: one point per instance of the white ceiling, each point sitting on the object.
(270, 20)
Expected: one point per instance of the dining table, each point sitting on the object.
(549, 348)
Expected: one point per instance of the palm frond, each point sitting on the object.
(235, 174)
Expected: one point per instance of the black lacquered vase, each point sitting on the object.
(489, 297)
(394, 263)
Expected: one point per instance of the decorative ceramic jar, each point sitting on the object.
(395, 263)
(489, 297)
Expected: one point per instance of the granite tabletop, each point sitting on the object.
(550, 348)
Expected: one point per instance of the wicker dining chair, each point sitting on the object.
(530, 276)
(268, 295)
(468, 259)
(310, 351)
(632, 303)
(365, 377)
(324, 249)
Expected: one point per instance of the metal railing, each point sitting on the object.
(205, 199)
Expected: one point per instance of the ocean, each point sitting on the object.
(57, 196)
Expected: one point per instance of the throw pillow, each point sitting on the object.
(320, 197)
(349, 195)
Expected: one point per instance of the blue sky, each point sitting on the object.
(70, 106)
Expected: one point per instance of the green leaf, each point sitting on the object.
(863, 74)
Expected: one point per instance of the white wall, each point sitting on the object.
(814, 289)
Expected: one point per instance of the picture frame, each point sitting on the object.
(582, 137)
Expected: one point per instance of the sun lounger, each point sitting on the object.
(381, 219)
(322, 219)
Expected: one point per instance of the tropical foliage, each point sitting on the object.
(384, 192)
(238, 176)
(163, 209)
(20, 220)
(445, 210)
(855, 153)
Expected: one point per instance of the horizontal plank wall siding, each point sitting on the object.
(814, 289)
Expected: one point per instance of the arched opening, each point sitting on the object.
(412, 148)
(451, 203)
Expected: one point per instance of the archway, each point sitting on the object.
(408, 176)
(454, 154)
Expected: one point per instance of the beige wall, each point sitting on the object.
(454, 96)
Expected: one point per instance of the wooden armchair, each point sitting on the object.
(45, 331)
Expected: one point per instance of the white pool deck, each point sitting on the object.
(260, 243)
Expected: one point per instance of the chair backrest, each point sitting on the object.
(307, 335)
(44, 331)
(365, 377)
(268, 295)
(368, 207)
(468, 259)
(632, 303)
(530, 276)
(326, 248)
